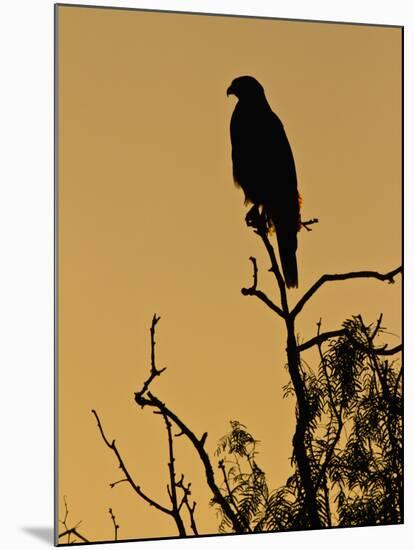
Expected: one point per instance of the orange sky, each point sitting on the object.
(150, 221)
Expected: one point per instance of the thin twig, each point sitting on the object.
(70, 531)
(252, 291)
(376, 329)
(112, 485)
(308, 223)
(154, 371)
(116, 526)
(255, 270)
(66, 512)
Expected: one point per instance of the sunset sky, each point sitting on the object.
(150, 221)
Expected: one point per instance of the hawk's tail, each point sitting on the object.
(287, 251)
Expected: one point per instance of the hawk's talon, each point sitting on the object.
(254, 218)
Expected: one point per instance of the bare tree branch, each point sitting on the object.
(307, 223)
(153, 402)
(144, 398)
(385, 351)
(258, 222)
(66, 512)
(343, 277)
(191, 510)
(75, 532)
(317, 340)
(320, 338)
(70, 531)
(173, 482)
(185, 501)
(122, 466)
(154, 371)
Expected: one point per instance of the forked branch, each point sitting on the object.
(253, 291)
(144, 398)
(154, 372)
(73, 531)
(68, 532)
(185, 501)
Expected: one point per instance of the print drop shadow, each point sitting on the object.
(42, 533)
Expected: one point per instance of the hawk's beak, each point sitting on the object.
(230, 91)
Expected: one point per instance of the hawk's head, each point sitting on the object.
(245, 87)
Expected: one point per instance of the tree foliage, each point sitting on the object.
(354, 442)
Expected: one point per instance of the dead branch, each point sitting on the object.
(70, 531)
(257, 220)
(144, 398)
(154, 372)
(116, 526)
(75, 532)
(320, 338)
(153, 402)
(122, 466)
(343, 277)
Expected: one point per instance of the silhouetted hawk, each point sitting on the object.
(263, 166)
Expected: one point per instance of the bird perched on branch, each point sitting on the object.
(263, 166)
